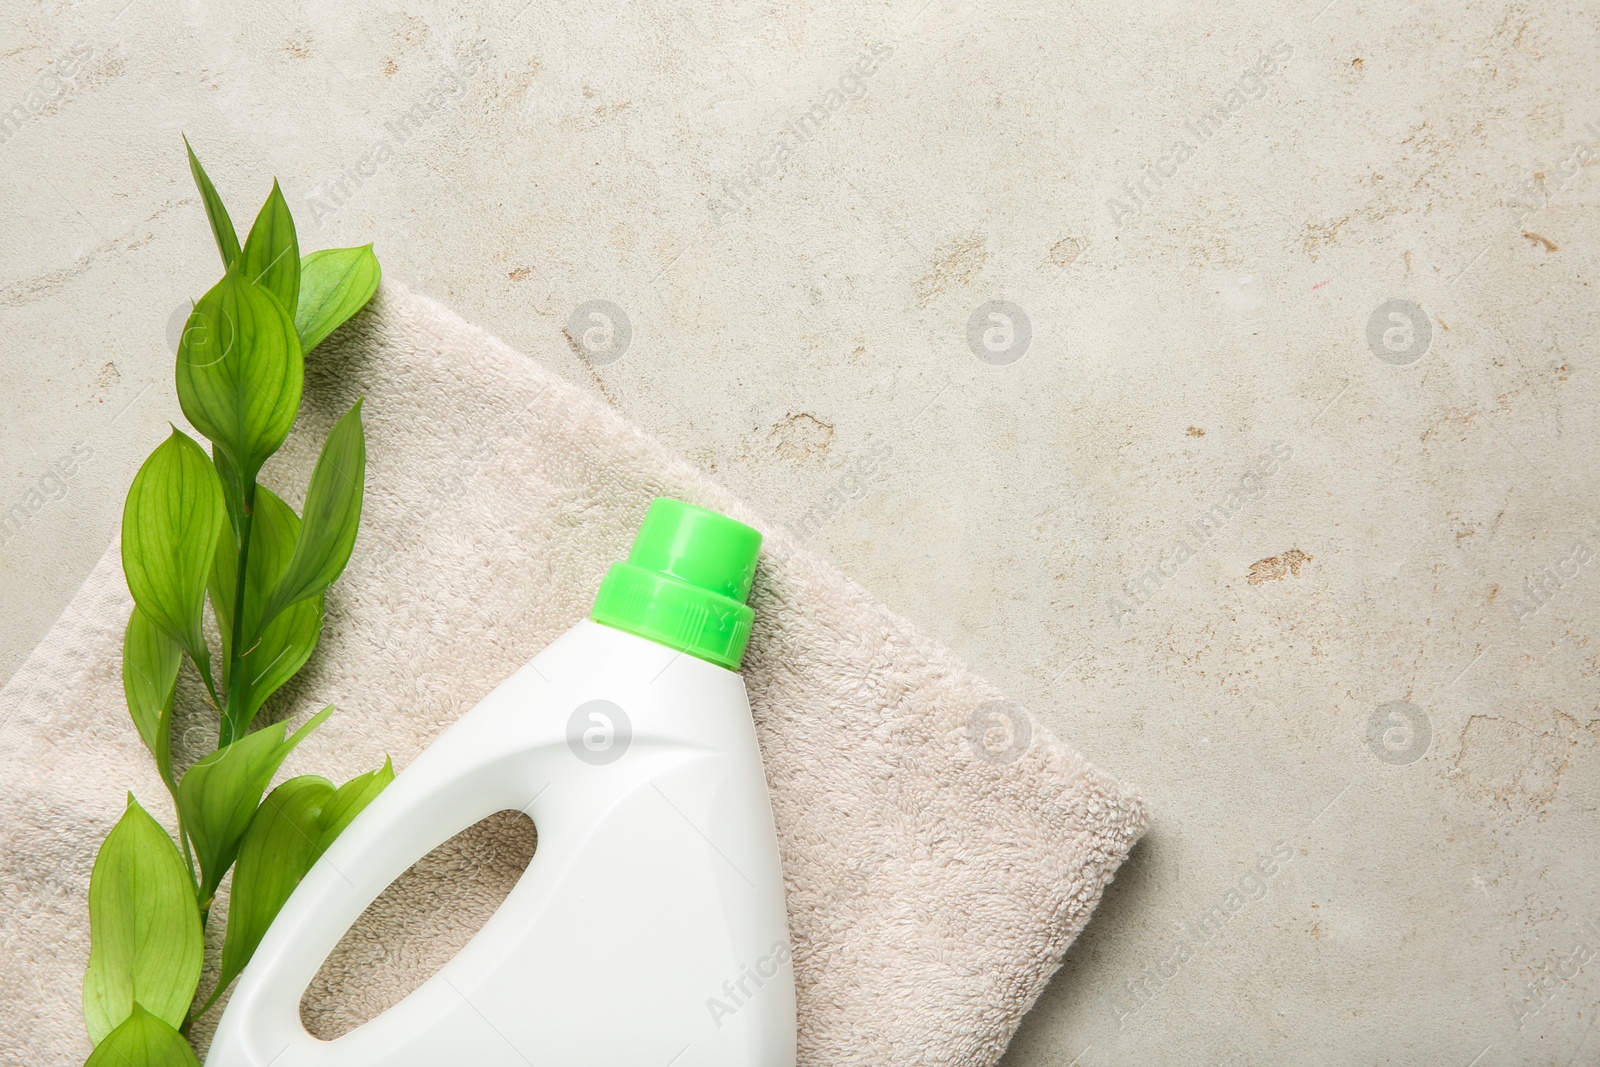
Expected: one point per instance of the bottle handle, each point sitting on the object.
(437, 797)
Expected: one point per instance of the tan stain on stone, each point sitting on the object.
(412, 29)
(1537, 239)
(53, 281)
(521, 274)
(1275, 568)
(1066, 251)
(1516, 29)
(1453, 417)
(101, 68)
(1195, 431)
(109, 376)
(1514, 764)
(801, 436)
(523, 77)
(958, 263)
(1320, 234)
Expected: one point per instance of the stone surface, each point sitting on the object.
(1217, 381)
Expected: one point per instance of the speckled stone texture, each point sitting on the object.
(1283, 510)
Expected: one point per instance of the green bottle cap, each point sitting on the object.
(684, 582)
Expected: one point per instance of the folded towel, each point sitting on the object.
(940, 849)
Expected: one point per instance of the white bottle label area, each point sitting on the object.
(649, 929)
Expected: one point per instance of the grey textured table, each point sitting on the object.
(1220, 382)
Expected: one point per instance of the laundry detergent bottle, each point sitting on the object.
(649, 930)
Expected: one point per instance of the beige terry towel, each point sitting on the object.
(941, 850)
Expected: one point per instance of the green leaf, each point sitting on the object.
(290, 831)
(240, 372)
(170, 526)
(143, 1040)
(279, 652)
(145, 942)
(271, 256)
(232, 488)
(282, 647)
(334, 284)
(333, 512)
(219, 794)
(216, 213)
(349, 800)
(278, 850)
(150, 660)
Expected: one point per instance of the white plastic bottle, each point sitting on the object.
(649, 930)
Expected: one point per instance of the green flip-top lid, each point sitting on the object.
(684, 582)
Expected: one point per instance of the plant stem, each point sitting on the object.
(236, 649)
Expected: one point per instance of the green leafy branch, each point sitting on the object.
(199, 527)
